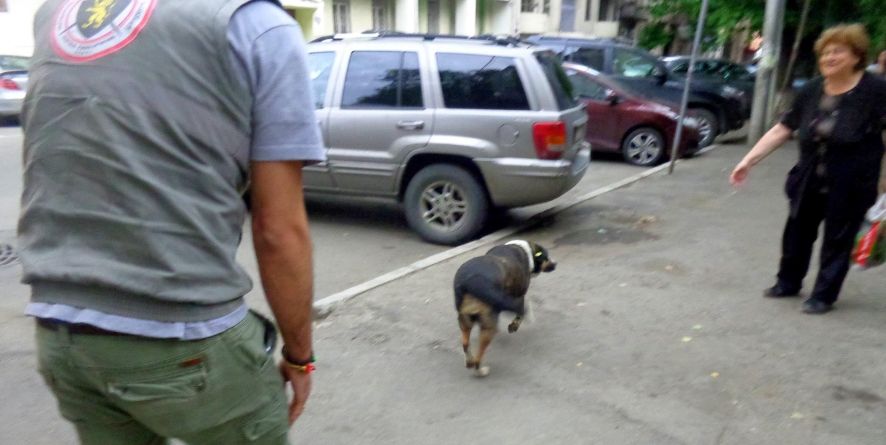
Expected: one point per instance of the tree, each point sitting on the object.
(724, 15)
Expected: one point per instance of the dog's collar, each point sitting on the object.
(526, 248)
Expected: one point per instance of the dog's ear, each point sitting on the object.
(538, 256)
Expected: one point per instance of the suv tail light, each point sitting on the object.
(550, 139)
(8, 84)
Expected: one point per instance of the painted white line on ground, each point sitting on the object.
(325, 305)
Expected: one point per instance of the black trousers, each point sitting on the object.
(801, 231)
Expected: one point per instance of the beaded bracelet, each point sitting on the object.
(304, 367)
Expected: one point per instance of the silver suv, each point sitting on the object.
(450, 127)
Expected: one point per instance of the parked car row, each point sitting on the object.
(640, 129)
(718, 106)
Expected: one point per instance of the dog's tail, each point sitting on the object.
(485, 290)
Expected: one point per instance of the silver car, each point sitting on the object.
(450, 127)
(13, 84)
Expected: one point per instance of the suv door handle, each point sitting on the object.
(411, 125)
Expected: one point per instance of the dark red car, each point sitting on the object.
(620, 121)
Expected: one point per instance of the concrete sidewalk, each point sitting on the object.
(652, 330)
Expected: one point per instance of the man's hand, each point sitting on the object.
(300, 382)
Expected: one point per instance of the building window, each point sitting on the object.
(536, 6)
(380, 20)
(341, 16)
(608, 11)
(527, 5)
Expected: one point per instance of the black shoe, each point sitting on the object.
(778, 291)
(813, 306)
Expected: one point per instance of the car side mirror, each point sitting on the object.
(612, 98)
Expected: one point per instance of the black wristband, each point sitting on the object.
(289, 359)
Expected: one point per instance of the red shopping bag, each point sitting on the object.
(870, 246)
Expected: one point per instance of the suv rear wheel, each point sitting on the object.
(708, 126)
(445, 204)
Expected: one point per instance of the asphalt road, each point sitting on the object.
(353, 241)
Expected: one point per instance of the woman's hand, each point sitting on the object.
(740, 173)
(774, 138)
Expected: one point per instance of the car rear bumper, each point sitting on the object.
(517, 182)
(11, 106)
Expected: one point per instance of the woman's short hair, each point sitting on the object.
(853, 35)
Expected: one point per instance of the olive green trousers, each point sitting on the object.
(132, 390)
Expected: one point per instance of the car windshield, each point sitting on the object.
(8, 63)
(557, 78)
(629, 63)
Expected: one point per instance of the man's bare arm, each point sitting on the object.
(283, 248)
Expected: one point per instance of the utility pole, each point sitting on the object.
(764, 88)
(696, 44)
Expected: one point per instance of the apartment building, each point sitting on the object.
(603, 18)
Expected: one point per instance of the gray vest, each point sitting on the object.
(134, 121)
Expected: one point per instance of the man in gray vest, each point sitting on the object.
(143, 121)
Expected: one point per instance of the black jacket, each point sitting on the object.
(852, 153)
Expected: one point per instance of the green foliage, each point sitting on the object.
(874, 17)
(725, 15)
(654, 35)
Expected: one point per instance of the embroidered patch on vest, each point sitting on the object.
(84, 30)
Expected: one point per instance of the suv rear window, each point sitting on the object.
(481, 82)
(558, 80)
(382, 79)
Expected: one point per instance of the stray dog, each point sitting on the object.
(489, 284)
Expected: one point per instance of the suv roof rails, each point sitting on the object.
(617, 40)
(372, 35)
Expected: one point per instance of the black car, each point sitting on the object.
(715, 70)
(718, 109)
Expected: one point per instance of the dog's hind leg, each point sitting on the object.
(465, 323)
(514, 325)
(486, 336)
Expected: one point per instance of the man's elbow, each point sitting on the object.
(272, 234)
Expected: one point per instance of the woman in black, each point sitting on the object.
(838, 119)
